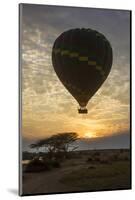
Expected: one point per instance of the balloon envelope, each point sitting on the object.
(82, 59)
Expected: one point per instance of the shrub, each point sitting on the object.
(105, 161)
(93, 159)
(92, 167)
(55, 164)
(97, 159)
(37, 165)
(96, 154)
(114, 157)
(59, 156)
(89, 159)
(124, 157)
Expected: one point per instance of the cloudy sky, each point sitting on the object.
(47, 107)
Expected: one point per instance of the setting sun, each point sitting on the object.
(90, 135)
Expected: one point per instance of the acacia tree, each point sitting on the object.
(60, 142)
(64, 141)
(35, 146)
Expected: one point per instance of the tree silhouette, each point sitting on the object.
(34, 146)
(59, 143)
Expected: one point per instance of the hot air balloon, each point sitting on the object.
(82, 60)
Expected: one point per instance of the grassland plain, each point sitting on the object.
(91, 170)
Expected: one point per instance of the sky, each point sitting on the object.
(47, 107)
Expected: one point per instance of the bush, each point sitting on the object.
(93, 159)
(55, 164)
(105, 161)
(114, 157)
(97, 159)
(92, 167)
(97, 154)
(37, 165)
(89, 159)
(124, 157)
(59, 156)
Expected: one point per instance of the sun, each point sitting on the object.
(89, 135)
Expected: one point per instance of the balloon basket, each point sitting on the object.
(82, 111)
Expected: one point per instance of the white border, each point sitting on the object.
(9, 98)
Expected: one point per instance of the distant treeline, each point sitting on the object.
(30, 155)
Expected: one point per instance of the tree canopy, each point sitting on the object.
(60, 142)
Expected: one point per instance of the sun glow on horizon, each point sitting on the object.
(90, 135)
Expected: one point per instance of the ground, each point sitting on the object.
(85, 171)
